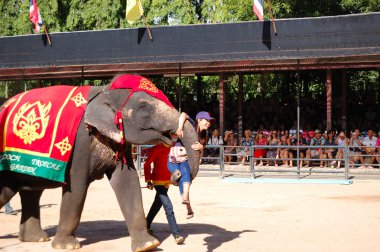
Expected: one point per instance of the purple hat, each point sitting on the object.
(205, 115)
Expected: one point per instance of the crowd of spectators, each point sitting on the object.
(316, 147)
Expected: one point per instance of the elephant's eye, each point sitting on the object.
(144, 109)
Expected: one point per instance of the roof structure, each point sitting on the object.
(351, 41)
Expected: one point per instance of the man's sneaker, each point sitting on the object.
(179, 239)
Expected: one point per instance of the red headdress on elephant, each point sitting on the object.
(137, 84)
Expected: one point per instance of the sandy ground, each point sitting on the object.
(228, 217)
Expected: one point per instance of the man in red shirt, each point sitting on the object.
(159, 178)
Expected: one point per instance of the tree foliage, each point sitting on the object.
(76, 15)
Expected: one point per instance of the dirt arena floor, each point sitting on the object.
(228, 217)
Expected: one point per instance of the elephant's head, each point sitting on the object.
(146, 119)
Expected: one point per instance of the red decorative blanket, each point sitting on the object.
(38, 130)
(138, 83)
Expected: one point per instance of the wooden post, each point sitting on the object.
(240, 106)
(271, 16)
(47, 35)
(180, 89)
(221, 103)
(6, 90)
(344, 101)
(147, 27)
(328, 97)
(199, 93)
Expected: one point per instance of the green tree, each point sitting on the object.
(170, 12)
(360, 6)
(221, 11)
(94, 15)
(14, 17)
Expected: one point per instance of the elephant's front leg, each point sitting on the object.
(126, 185)
(71, 210)
(30, 226)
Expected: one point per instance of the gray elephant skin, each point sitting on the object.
(146, 120)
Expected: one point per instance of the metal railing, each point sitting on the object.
(347, 162)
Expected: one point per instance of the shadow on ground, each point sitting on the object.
(16, 211)
(217, 236)
(96, 231)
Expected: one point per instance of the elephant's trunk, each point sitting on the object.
(190, 137)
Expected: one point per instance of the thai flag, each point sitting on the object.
(35, 16)
(258, 9)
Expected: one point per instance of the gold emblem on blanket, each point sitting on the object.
(31, 121)
(64, 146)
(148, 85)
(79, 99)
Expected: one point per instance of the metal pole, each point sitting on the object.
(138, 155)
(221, 161)
(346, 161)
(252, 162)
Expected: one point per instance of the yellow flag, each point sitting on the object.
(134, 10)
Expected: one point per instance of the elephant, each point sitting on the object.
(145, 120)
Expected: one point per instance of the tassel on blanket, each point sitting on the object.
(118, 120)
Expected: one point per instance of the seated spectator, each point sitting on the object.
(330, 153)
(273, 153)
(266, 134)
(316, 153)
(231, 142)
(356, 148)
(307, 135)
(134, 152)
(286, 133)
(370, 147)
(296, 140)
(378, 150)
(341, 141)
(324, 135)
(214, 141)
(284, 152)
(258, 152)
(247, 142)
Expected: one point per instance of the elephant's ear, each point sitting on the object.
(100, 113)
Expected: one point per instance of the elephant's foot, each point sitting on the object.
(65, 242)
(33, 236)
(144, 242)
